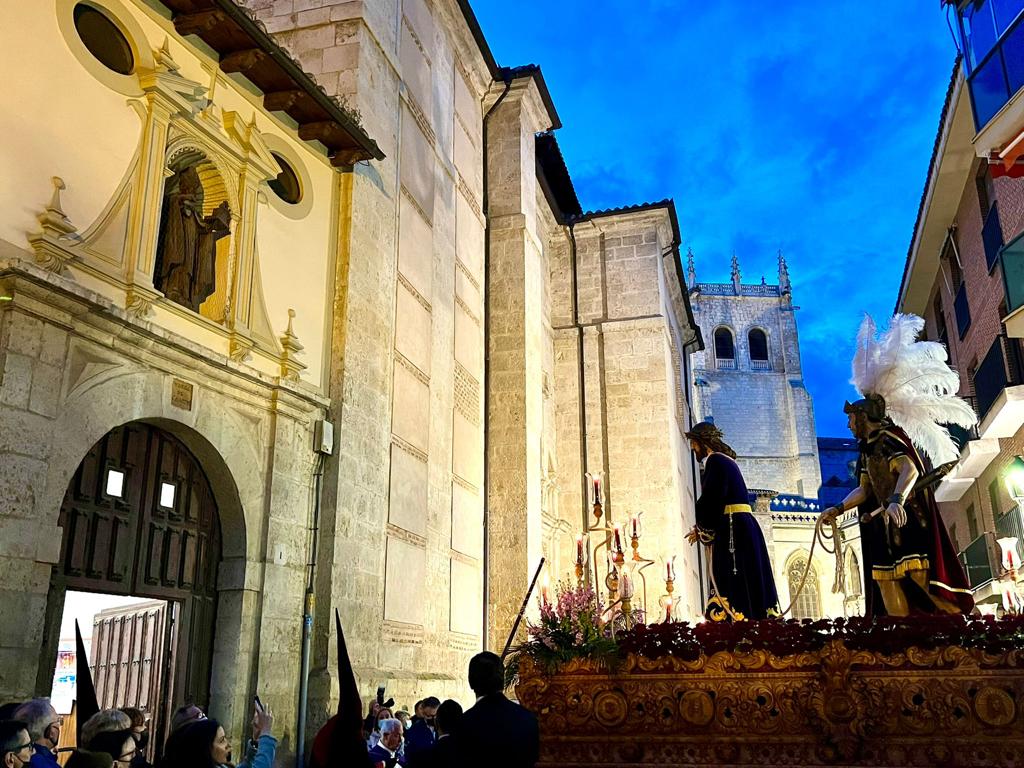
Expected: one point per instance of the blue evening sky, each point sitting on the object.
(805, 126)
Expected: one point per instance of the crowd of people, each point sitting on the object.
(118, 738)
(437, 734)
(440, 734)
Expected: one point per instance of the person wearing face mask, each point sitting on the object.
(44, 728)
(422, 734)
(390, 744)
(15, 744)
(120, 745)
(140, 732)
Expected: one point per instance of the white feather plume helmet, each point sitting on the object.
(918, 387)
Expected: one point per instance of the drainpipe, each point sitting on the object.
(580, 375)
(486, 208)
(307, 617)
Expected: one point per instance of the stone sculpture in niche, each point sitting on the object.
(187, 251)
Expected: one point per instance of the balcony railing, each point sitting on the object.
(997, 78)
(977, 561)
(962, 310)
(1000, 369)
(760, 365)
(725, 363)
(992, 236)
(1010, 524)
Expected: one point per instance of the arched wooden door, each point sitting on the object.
(139, 518)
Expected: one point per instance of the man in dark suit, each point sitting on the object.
(422, 734)
(386, 750)
(495, 731)
(442, 753)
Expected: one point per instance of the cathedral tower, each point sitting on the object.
(749, 379)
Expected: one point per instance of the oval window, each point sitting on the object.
(103, 39)
(286, 184)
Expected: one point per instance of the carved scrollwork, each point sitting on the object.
(836, 705)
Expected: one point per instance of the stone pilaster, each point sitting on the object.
(515, 414)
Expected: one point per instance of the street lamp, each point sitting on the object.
(1014, 479)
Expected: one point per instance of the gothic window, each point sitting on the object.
(758, 342)
(103, 39)
(724, 349)
(853, 582)
(807, 604)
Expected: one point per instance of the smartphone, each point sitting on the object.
(259, 704)
(380, 695)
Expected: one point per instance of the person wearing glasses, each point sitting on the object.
(16, 744)
(43, 724)
(120, 745)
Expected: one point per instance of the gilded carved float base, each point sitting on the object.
(833, 706)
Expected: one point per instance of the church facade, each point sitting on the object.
(299, 311)
(749, 381)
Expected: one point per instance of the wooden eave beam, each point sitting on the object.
(282, 101)
(200, 22)
(242, 61)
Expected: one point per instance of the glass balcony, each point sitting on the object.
(1013, 274)
(977, 561)
(1000, 369)
(998, 75)
(992, 236)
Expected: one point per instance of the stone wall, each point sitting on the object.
(73, 366)
(405, 496)
(636, 409)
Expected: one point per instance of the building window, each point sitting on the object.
(941, 330)
(167, 492)
(806, 605)
(854, 585)
(114, 486)
(286, 185)
(986, 192)
(103, 39)
(972, 522)
(993, 498)
(758, 343)
(725, 350)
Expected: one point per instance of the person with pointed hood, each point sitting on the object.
(741, 573)
(907, 396)
(340, 743)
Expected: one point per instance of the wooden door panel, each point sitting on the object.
(134, 544)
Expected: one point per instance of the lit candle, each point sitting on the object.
(617, 545)
(597, 488)
(544, 590)
(670, 568)
(668, 609)
(579, 549)
(634, 527)
(626, 587)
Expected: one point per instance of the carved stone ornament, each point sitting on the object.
(291, 366)
(53, 244)
(138, 304)
(833, 706)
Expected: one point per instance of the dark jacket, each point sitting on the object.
(441, 754)
(499, 733)
(418, 738)
(380, 755)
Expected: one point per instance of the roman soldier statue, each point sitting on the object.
(741, 573)
(907, 394)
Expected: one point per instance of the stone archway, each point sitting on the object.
(139, 518)
(235, 470)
